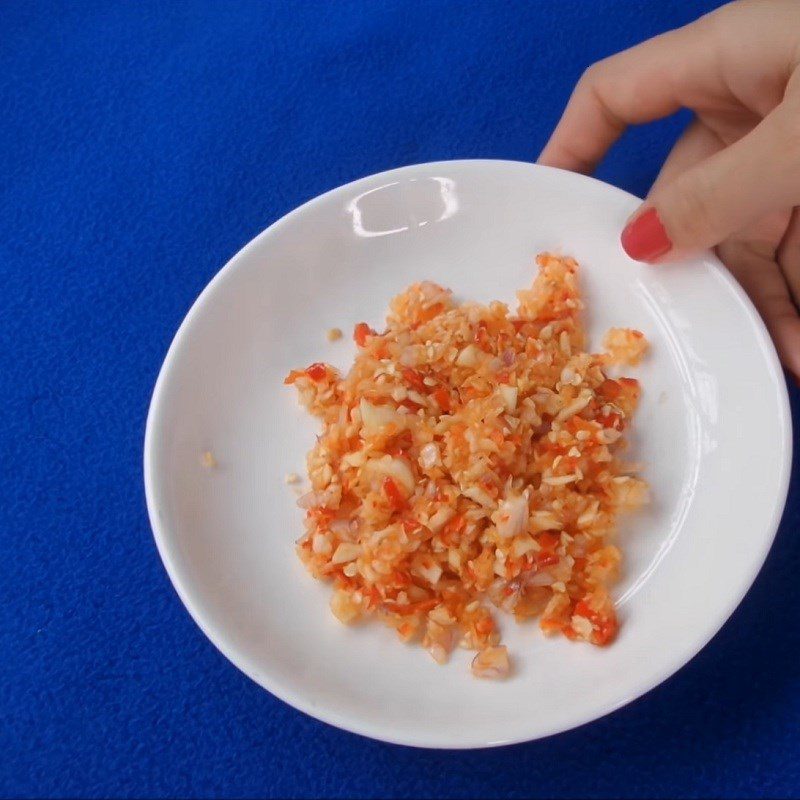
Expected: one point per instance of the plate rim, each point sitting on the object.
(354, 724)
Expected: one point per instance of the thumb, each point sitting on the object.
(722, 194)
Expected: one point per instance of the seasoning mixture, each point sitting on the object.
(470, 461)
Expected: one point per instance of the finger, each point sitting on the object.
(696, 143)
(763, 281)
(789, 255)
(732, 188)
(638, 85)
(751, 46)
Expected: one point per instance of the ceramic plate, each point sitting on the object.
(713, 429)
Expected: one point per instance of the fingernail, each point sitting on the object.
(644, 238)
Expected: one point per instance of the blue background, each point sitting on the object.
(141, 145)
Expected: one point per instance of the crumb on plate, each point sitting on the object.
(625, 346)
(491, 662)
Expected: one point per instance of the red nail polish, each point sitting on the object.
(644, 238)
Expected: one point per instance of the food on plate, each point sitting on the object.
(470, 460)
(624, 346)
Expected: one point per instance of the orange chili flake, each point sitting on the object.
(452, 529)
(629, 383)
(497, 437)
(373, 596)
(411, 525)
(361, 332)
(492, 489)
(410, 405)
(407, 630)
(411, 608)
(400, 444)
(322, 515)
(429, 313)
(606, 632)
(605, 627)
(316, 371)
(393, 494)
(401, 577)
(469, 392)
(484, 626)
(442, 397)
(546, 560)
(548, 541)
(611, 420)
(608, 389)
(553, 626)
(582, 609)
(455, 524)
(414, 378)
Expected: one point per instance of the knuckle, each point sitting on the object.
(718, 20)
(592, 76)
(600, 84)
(787, 127)
(690, 218)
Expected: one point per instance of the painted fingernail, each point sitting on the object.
(644, 238)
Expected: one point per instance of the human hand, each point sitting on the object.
(732, 181)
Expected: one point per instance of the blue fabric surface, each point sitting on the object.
(141, 145)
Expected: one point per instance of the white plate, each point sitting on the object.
(713, 429)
